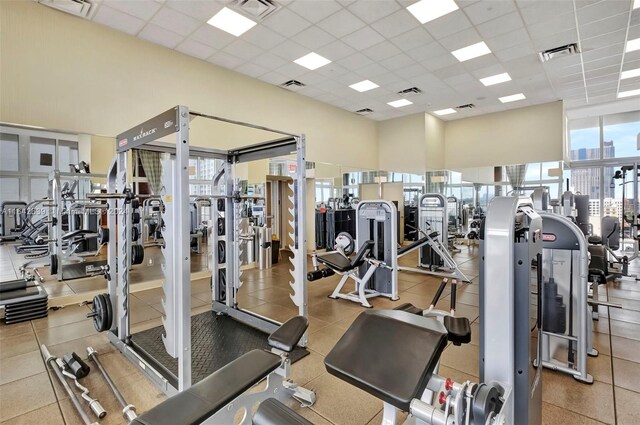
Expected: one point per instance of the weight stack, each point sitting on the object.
(22, 311)
(554, 310)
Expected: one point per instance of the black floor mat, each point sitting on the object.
(215, 342)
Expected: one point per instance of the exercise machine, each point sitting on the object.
(176, 355)
(373, 270)
(433, 257)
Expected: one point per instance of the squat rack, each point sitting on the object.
(176, 219)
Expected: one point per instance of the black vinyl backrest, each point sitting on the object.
(363, 252)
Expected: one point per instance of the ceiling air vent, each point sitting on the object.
(410, 91)
(82, 8)
(257, 9)
(292, 85)
(467, 106)
(557, 52)
(365, 111)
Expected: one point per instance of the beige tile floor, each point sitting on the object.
(30, 395)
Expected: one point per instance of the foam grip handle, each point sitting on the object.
(314, 275)
(327, 272)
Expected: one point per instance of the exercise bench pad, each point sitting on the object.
(202, 400)
(273, 412)
(389, 354)
(286, 337)
(336, 261)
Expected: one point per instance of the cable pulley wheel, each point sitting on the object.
(101, 312)
(137, 254)
(345, 240)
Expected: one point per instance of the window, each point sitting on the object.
(42, 153)
(10, 159)
(324, 190)
(621, 134)
(584, 138)
(9, 189)
(67, 154)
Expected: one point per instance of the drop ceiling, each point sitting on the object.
(380, 41)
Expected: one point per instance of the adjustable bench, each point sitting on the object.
(204, 402)
(83, 233)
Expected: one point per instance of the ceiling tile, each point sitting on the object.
(448, 71)
(613, 70)
(480, 62)
(269, 61)
(143, 9)
(251, 70)
(604, 9)
(331, 70)
(412, 39)
(515, 52)
(397, 62)
(336, 50)
(411, 71)
(372, 10)
(381, 51)
(611, 25)
(355, 61)
(243, 50)
(501, 25)
(274, 77)
(614, 41)
(396, 24)
(198, 9)
(537, 11)
(314, 11)
(263, 37)
(159, 35)
(195, 48)
(448, 24)
(484, 11)
(363, 38)
(341, 23)
(427, 52)
(373, 70)
(555, 40)
(292, 51)
(461, 39)
(175, 21)
(291, 70)
(507, 40)
(212, 37)
(118, 20)
(286, 23)
(225, 60)
(314, 38)
(440, 62)
(489, 71)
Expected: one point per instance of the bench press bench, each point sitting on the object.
(217, 398)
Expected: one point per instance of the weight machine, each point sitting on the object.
(178, 341)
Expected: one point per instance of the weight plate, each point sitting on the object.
(220, 205)
(135, 203)
(345, 240)
(103, 235)
(222, 256)
(137, 254)
(135, 234)
(220, 226)
(135, 217)
(101, 312)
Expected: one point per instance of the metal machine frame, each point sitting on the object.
(511, 238)
(177, 252)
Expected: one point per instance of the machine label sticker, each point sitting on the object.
(548, 237)
(122, 143)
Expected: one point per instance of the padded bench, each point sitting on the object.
(341, 264)
(202, 400)
(389, 354)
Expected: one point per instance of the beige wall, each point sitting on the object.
(58, 71)
(402, 144)
(530, 134)
(434, 135)
(103, 151)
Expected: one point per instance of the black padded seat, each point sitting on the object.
(411, 246)
(390, 354)
(595, 240)
(287, 336)
(273, 412)
(458, 330)
(409, 308)
(202, 400)
(336, 261)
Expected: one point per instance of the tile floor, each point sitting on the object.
(29, 394)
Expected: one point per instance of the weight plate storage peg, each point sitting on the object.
(137, 254)
(101, 312)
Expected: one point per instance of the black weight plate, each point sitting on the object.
(135, 203)
(222, 256)
(53, 264)
(135, 234)
(135, 217)
(103, 235)
(99, 313)
(137, 254)
(220, 226)
(221, 205)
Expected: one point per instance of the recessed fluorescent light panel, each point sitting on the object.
(512, 98)
(633, 45)
(231, 22)
(495, 79)
(470, 52)
(629, 93)
(400, 103)
(365, 85)
(428, 10)
(630, 73)
(636, 4)
(312, 61)
(445, 111)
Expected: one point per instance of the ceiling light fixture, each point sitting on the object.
(629, 93)
(365, 85)
(636, 4)
(428, 10)
(232, 22)
(470, 52)
(312, 61)
(633, 45)
(445, 111)
(400, 103)
(495, 79)
(512, 98)
(631, 73)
